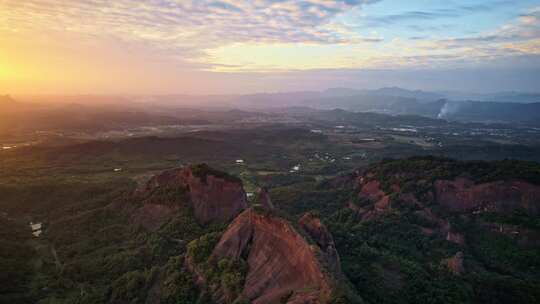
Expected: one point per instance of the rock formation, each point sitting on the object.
(214, 196)
(283, 266)
(320, 234)
(460, 195)
(370, 191)
(463, 195)
(151, 216)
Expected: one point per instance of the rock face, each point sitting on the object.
(463, 195)
(151, 216)
(213, 195)
(264, 198)
(283, 266)
(460, 195)
(320, 234)
(371, 191)
(443, 226)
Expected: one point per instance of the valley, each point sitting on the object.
(108, 236)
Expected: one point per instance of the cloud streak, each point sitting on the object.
(434, 14)
(203, 37)
(188, 27)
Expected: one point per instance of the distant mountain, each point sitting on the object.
(514, 97)
(375, 97)
(347, 98)
(379, 104)
(491, 111)
(119, 112)
(7, 103)
(274, 100)
(85, 99)
(474, 111)
(6, 99)
(386, 92)
(399, 92)
(27, 117)
(341, 92)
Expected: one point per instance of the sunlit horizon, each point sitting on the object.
(240, 47)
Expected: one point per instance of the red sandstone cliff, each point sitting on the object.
(282, 264)
(458, 195)
(462, 195)
(320, 234)
(370, 191)
(380, 202)
(213, 196)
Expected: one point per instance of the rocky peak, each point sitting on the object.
(214, 196)
(282, 264)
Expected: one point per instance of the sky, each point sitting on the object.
(229, 46)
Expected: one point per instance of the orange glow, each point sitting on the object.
(108, 47)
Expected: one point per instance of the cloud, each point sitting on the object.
(187, 27)
(485, 7)
(522, 30)
(531, 18)
(501, 47)
(230, 35)
(434, 14)
(409, 16)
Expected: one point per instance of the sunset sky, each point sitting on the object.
(228, 46)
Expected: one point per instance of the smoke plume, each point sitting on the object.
(448, 109)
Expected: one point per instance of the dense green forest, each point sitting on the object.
(90, 251)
